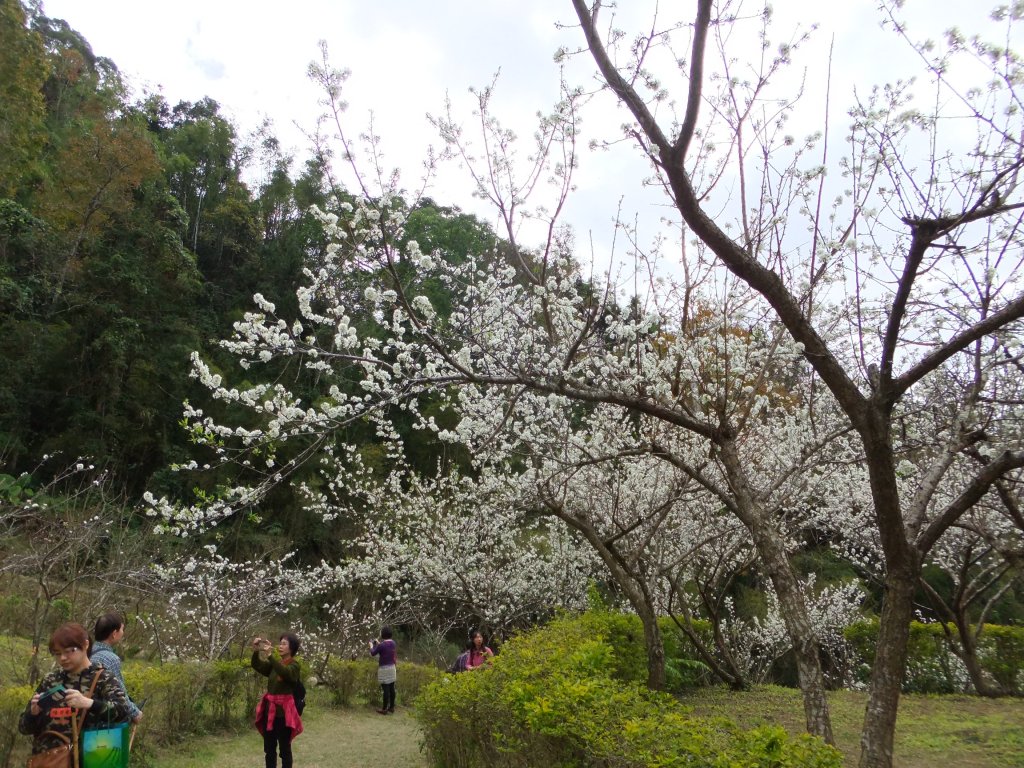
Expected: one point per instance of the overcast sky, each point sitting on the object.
(405, 55)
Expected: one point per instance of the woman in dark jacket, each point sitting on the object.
(87, 687)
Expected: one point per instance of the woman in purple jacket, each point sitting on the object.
(384, 649)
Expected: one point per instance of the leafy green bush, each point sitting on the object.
(344, 678)
(1002, 656)
(557, 696)
(933, 667)
(182, 698)
(15, 614)
(625, 633)
(412, 678)
(350, 682)
(231, 693)
(171, 693)
(13, 700)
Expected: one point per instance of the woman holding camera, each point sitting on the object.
(479, 654)
(77, 695)
(386, 652)
(276, 716)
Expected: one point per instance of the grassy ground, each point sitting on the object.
(356, 738)
(953, 731)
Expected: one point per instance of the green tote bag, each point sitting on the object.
(106, 747)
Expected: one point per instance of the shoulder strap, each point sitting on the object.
(79, 720)
(58, 734)
(95, 679)
(76, 728)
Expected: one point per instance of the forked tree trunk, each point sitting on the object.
(969, 656)
(725, 670)
(968, 650)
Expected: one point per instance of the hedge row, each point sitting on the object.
(562, 695)
(350, 682)
(625, 633)
(932, 667)
(182, 699)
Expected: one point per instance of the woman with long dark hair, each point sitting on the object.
(479, 654)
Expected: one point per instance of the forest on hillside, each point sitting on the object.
(234, 390)
(133, 233)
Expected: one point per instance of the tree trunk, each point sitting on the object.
(968, 650)
(726, 671)
(876, 739)
(39, 613)
(801, 633)
(969, 656)
(772, 551)
(636, 592)
(655, 647)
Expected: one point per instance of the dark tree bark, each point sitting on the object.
(633, 586)
(770, 546)
(876, 740)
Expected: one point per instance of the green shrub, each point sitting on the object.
(933, 667)
(13, 700)
(556, 696)
(231, 693)
(344, 678)
(60, 612)
(625, 633)
(15, 614)
(171, 693)
(412, 678)
(1002, 656)
(352, 682)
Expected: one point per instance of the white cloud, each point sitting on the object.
(405, 55)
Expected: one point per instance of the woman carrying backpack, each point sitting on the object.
(277, 717)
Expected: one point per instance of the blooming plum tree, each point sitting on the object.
(214, 602)
(911, 271)
(529, 346)
(463, 550)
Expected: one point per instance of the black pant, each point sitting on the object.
(278, 738)
(388, 694)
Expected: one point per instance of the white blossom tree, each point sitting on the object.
(462, 550)
(913, 268)
(214, 602)
(529, 337)
(908, 275)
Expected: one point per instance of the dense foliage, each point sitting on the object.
(118, 262)
(556, 696)
(935, 658)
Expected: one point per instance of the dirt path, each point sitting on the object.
(356, 738)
